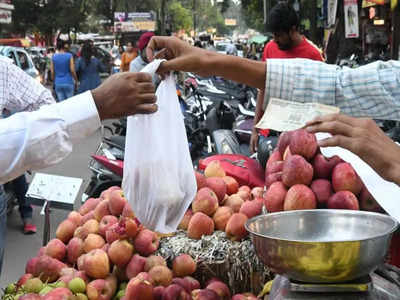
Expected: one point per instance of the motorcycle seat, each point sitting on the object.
(116, 140)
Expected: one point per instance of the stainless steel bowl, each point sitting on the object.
(322, 245)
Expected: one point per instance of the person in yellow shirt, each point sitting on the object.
(127, 57)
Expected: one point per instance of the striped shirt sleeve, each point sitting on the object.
(370, 91)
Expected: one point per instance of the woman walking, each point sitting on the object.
(88, 68)
(63, 72)
(127, 57)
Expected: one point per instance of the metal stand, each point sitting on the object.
(45, 190)
(46, 228)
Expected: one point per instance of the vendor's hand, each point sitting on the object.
(180, 55)
(362, 137)
(254, 141)
(125, 94)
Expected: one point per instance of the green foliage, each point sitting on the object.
(180, 17)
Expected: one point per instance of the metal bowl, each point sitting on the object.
(322, 245)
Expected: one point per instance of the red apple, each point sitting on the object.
(200, 180)
(89, 205)
(206, 201)
(275, 196)
(284, 141)
(139, 289)
(251, 208)
(214, 169)
(101, 210)
(303, 143)
(235, 229)
(232, 186)
(161, 275)
(322, 189)
(117, 202)
(74, 249)
(272, 178)
(96, 264)
(56, 249)
(235, 202)
(93, 241)
(135, 266)
(146, 242)
(75, 217)
(257, 192)
(127, 212)
(221, 289)
(296, 170)
(120, 252)
(222, 216)
(323, 166)
(218, 185)
(152, 261)
(105, 223)
(345, 178)
(200, 224)
(186, 218)
(58, 293)
(275, 156)
(183, 265)
(343, 200)
(298, 197)
(65, 231)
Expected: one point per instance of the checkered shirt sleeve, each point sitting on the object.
(370, 91)
(19, 91)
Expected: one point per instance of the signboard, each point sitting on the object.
(134, 21)
(351, 19)
(5, 16)
(332, 9)
(368, 3)
(230, 22)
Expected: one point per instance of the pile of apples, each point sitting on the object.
(298, 176)
(221, 204)
(102, 252)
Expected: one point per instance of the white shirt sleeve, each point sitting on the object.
(35, 140)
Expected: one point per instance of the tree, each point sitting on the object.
(180, 17)
(253, 12)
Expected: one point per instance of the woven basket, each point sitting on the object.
(235, 263)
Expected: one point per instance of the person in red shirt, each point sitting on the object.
(288, 42)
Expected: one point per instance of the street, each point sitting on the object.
(20, 247)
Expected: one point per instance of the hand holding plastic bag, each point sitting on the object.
(159, 181)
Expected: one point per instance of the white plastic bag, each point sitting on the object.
(159, 181)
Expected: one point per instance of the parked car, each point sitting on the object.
(39, 58)
(221, 47)
(101, 54)
(21, 59)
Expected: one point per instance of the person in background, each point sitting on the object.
(49, 57)
(288, 42)
(231, 49)
(211, 46)
(63, 72)
(88, 68)
(121, 50)
(19, 185)
(245, 50)
(141, 60)
(127, 57)
(198, 44)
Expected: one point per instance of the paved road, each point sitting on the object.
(20, 247)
